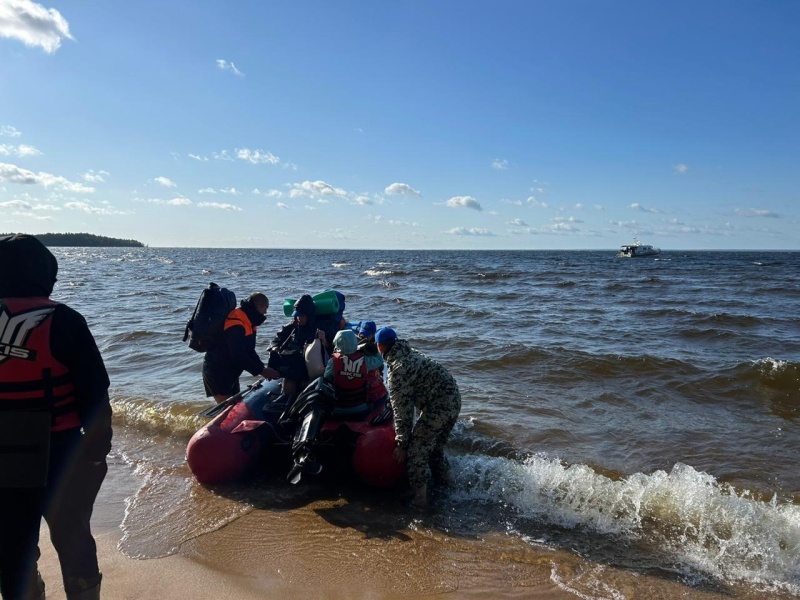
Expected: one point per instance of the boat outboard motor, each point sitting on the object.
(312, 407)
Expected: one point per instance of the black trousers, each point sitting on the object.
(66, 504)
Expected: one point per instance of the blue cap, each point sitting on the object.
(367, 329)
(385, 335)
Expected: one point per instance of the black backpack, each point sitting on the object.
(209, 315)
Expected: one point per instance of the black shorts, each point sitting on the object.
(219, 381)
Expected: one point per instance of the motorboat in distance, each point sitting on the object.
(637, 249)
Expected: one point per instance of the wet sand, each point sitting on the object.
(322, 549)
(179, 577)
(333, 548)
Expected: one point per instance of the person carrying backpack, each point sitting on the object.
(234, 351)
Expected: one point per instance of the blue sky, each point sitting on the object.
(569, 124)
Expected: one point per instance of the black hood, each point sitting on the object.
(306, 306)
(27, 267)
(249, 308)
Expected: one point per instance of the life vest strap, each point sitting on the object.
(16, 387)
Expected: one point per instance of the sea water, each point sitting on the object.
(619, 415)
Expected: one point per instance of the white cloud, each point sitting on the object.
(563, 226)
(7, 130)
(166, 182)
(401, 189)
(21, 150)
(316, 189)
(477, 231)
(680, 169)
(281, 205)
(257, 157)
(534, 201)
(464, 202)
(95, 176)
(220, 205)
(198, 157)
(48, 207)
(231, 191)
(224, 155)
(93, 210)
(637, 206)
(566, 220)
(517, 223)
(756, 212)
(268, 193)
(33, 24)
(176, 201)
(16, 205)
(228, 66)
(14, 174)
(500, 164)
(207, 190)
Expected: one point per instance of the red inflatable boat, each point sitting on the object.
(260, 429)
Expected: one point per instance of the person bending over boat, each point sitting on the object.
(55, 427)
(356, 376)
(287, 348)
(235, 350)
(417, 381)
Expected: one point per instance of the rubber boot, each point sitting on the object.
(79, 588)
(90, 594)
(36, 590)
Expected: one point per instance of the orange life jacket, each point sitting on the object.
(31, 379)
(238, 317)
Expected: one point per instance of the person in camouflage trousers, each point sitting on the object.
(417, 381)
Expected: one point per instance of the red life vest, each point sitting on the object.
(238, 317)
(30, 376)
(376, 389)
(350, 378)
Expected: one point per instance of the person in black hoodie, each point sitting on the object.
(235, 350)
(55, 427)
(286, 352)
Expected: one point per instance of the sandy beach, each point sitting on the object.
(320, 550)
(330, 548)
(180, 576)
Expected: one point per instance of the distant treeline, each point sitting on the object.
(83, 239)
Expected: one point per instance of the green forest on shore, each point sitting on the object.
(83, 239)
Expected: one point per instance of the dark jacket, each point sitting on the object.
(28, 270)
(292, 337)
(235, 351)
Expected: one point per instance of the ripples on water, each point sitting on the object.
(644, 411)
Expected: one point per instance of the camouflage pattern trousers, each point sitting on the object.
(426, 457)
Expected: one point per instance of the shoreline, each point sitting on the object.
(335, 548)
(319, 550)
